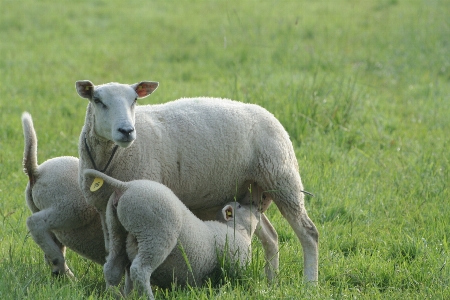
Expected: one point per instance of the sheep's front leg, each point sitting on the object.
(269, 240)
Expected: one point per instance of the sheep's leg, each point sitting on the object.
(40, 225)
(289, 200)
(128, 286)
(144, 264)
(152, 252)
(269, 240)
(105, 230)
(114, 268)
(309, 238)
(117, 259)
(140, 273)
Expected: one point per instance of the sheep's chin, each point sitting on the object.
(124, 144)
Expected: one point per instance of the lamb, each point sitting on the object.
(208, 151)
(60, 216)
(165, 242)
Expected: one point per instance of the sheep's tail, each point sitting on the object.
(116, 184)
(30, 164)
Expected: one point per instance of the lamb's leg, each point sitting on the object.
(140, 273)
(117, 259)
(269, 240)
(105, 230)
(40, 225)
(288, 197)
(114, 268)
(128, 286)
(150, 256)
(153, 249)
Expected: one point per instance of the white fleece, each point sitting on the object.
(208, 151)
(164, 241)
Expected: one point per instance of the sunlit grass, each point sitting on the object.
(362, 87)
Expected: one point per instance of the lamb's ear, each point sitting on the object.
(144, 88)
(228, 212)
(85, 88)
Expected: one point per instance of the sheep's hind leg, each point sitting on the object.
(309, 238)
(128, 284)
(40, 225)
(289, 201)
(117, 260)
(151, 254)
(140, 274)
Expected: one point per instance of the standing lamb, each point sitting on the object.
(61, 217)
(164, 241)
(208, 151)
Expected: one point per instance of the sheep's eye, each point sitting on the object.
(134, 102)
(239, 206)
(98, 101)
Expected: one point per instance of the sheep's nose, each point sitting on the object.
(126, 131)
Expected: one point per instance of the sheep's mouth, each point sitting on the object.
(125, 142)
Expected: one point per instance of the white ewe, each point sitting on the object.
(208, 151)
(165, 242)
(61, 217)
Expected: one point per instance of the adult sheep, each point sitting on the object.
(60, 215)
(208, 151)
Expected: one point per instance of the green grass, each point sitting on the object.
(362, 87)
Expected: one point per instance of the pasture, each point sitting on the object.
(362, 87)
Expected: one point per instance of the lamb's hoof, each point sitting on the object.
(114, 292)
(56, 273)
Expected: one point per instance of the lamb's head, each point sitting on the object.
(114, 108)
(240, 216)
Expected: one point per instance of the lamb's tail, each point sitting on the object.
(30, 164)
(116, 184)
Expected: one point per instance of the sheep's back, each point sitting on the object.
(205, 149)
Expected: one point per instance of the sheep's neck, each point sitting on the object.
(92, 159)
(88, 134)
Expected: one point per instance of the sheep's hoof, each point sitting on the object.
(56, 273)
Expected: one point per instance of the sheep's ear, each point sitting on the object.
(144, 88)
(228, 212)
(85, 88)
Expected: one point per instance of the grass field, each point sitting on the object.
(362, 87)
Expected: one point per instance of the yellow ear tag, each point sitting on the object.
(87, 88)
(96, 184)
(229, 213)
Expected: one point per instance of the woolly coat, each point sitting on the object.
(166, 240)
(207, 151)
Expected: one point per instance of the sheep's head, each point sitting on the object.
(114, 108)
(239, 215)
